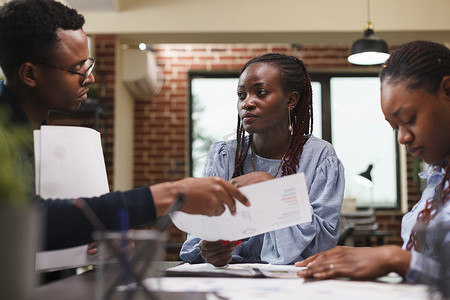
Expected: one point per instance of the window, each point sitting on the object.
(346, 113)
(317, 108)
(360, 135)
(213, 114)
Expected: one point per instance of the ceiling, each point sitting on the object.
(261, 21)
(94, 5)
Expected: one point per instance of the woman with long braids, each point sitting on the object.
(415, 99)
(275, 110)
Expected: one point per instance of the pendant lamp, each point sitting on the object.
(370, 50)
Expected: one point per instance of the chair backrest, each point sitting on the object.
(361, 219)
(346, 232)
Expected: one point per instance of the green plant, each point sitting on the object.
(14, 183)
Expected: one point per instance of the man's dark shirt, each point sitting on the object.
(64, 225)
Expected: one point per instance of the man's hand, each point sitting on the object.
(217, 253)
(209, 195)
(92, 248)
(206, 196)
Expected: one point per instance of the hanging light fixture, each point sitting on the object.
(370, 50)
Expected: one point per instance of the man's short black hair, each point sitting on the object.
(28, 31)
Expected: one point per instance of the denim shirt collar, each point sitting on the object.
(434, 170)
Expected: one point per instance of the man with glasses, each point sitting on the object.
(45, 58)
(84, 68)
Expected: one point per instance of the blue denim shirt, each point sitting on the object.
(432, 264)
(325, 181)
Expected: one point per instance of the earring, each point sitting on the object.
(289, 121)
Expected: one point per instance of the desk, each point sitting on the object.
(83, 287)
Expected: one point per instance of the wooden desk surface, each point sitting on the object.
(72, 288)
(82, 287)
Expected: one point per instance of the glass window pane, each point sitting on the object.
(361, 136)
(214, 116)
(317, 109)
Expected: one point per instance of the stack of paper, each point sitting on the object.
(69, 164)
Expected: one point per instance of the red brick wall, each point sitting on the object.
(104, 72)
(161, 123)
(105, 75)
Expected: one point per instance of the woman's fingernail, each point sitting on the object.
(237, 243)
(318, 275)
(225, 243)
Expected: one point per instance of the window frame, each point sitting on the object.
(324, 78)
(193, 74)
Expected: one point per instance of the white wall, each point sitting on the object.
(123, 130)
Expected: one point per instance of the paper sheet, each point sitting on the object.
(69, 164)
(65, 258)
(244, 270)
(275, 204)
(287, 289)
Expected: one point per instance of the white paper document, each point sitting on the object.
(275, 204)
(288, 288)
(238, 270)
(64, 259)
(69, 164)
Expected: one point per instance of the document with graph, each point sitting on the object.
(275, 204)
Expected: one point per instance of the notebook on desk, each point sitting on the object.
(234, 270)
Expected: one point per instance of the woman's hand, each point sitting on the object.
(217, 253)
(250, 178)
(355, 263)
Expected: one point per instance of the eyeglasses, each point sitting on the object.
(85, 70)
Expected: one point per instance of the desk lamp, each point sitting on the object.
(365, 178)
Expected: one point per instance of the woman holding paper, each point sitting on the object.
(275, 110)
(415, 99)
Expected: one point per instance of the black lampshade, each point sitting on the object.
(370, 50)
(365, 178)
(366, 173)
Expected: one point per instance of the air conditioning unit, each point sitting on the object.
(140, 74)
